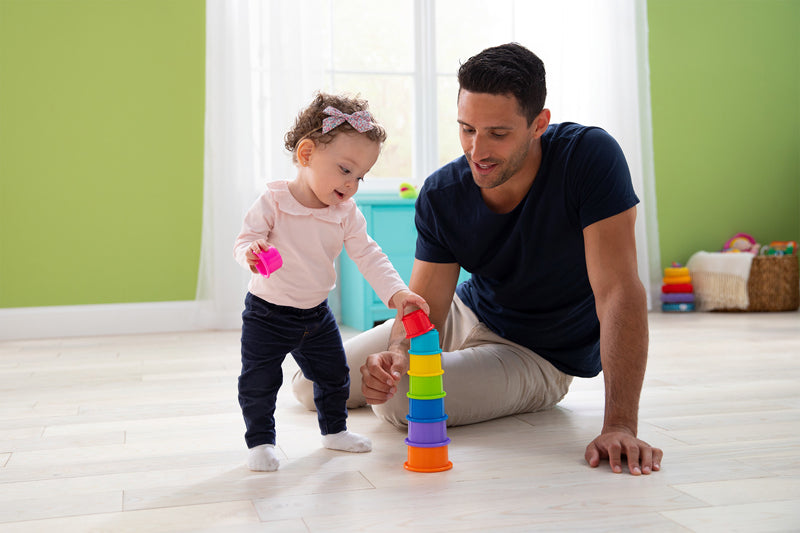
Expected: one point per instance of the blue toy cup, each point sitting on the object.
(426, 409)
(426, 344)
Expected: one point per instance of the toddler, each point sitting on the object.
(334, 143)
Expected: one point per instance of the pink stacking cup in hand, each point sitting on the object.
(269, 261)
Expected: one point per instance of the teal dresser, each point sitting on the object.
(390, 221)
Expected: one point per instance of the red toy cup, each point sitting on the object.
(416, 323)
(269, 261)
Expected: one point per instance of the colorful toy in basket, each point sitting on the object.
(427, 429)
(677, 292)
(780, 248)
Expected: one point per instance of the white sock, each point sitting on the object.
(263, 458)
(347, 442)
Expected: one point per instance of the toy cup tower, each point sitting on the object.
(427, 430)
(677, 292)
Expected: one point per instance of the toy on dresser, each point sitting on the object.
(677, 292)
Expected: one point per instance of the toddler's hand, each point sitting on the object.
(404, 298)
(254, 248)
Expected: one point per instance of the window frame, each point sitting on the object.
(424, 129)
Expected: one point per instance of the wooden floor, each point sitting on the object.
(144, 434)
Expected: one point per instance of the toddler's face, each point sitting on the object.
(337, 168)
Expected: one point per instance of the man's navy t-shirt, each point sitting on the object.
(529, 282)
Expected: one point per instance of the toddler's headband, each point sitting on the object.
(360, 120)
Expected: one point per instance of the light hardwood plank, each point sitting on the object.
(748, 517)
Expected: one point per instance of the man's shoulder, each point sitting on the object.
(448, 175)
(445, 188)
(570, 134)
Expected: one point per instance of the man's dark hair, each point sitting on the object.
(507, 69)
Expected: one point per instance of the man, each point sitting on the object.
(542, 216)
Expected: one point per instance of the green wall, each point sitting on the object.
(101, 150)
(725, 78)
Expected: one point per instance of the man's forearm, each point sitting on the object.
(623, 351)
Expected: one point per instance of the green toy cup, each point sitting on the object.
(425, 386)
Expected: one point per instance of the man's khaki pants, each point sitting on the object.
(485, 376)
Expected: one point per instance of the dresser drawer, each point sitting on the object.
(393, 228)
(390, 221)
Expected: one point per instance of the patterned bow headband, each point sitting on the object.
(360, 120)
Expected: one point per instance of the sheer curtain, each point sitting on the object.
(229, 160)
(265, 60)
(595, 54)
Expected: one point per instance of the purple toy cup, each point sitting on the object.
(269, 261)
(424, 433)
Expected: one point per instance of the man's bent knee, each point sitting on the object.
(394, 411)
(303, 390)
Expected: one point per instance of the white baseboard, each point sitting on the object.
(111, 319)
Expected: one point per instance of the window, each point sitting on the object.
(403, 57)
(372, 54)
(266, 58)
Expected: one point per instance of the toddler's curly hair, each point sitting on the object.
(308, 124)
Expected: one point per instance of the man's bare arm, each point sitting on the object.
(436, 283)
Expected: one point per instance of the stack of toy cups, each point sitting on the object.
(427, 430)
(677, 292)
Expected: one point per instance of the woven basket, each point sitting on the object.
(774, 283)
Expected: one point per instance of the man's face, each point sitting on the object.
(495, 136)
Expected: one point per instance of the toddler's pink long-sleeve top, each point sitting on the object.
(309, 240)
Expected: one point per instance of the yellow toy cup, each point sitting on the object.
(425, 365)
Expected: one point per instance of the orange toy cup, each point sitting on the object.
(428, 459)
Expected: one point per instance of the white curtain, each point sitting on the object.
(266, 58)
(229, 160)
(595, 54)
